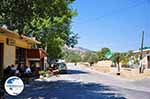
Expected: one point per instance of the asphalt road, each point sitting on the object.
(83, 83)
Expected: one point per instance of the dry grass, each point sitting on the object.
(102, 69)
(131, 74)
(135, 75)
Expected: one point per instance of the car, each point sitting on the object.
(61, 66)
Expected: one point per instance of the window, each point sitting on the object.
(20, 55)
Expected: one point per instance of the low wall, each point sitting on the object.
(104, 63)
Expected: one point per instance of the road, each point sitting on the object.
(84, 83)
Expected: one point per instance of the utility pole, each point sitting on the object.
(141, 69)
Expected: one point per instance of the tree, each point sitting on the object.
(49, 21)
(16, 13)
(90, 58)
(125, 57)
(102, 52)
(72, 57)
(117, 59)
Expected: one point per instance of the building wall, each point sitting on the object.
(144, 62)
(9, 55)
(2, 38)
(146, 53)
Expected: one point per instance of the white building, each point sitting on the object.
(145, 58)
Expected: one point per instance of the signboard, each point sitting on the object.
(11, 42)
(109, 54)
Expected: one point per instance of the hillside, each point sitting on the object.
(79, 50)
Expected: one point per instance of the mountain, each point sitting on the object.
(78, 50)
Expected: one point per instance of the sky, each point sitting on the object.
(116, 24)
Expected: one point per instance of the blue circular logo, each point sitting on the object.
(14, 85)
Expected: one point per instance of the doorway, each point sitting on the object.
(1, 61)
(148, 60)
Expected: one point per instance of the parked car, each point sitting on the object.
(61, 66)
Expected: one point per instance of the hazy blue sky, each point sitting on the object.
(116, 24)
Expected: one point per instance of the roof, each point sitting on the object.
(37, 53)
(43, 51)
(29, 39)
(140, 50)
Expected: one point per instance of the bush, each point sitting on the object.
(42, 72)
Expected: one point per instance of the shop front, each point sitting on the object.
(13, 48)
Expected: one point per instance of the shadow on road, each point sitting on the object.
(76, 72)
(67, 90)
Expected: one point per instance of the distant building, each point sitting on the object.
(146, 57)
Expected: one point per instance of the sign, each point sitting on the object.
(14, 85)
(11, 42)
(109, 54)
